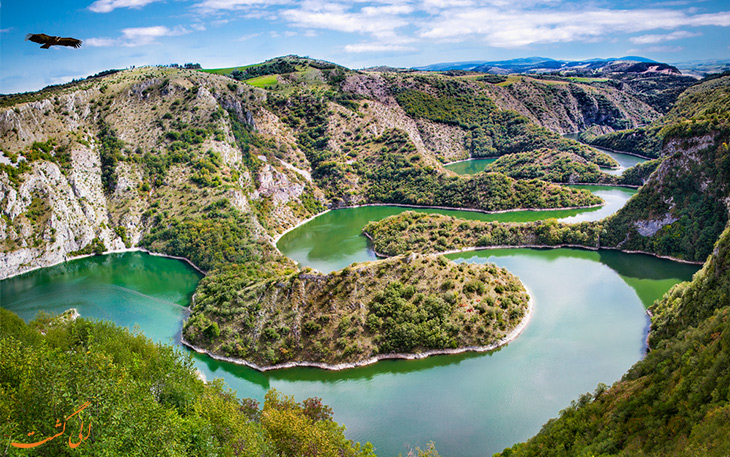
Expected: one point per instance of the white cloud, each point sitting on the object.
(100, 42)
(651, 39)
(105, 6)
(377, 47)
(382, 22)
(6, 30)
(137, 36)
(664, 49)
(512, 28)
(141, 36)
(248, 36)
(212, 6)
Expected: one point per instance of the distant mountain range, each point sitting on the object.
(627, 64)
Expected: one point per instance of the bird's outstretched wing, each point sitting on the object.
(47, 40)
(67, 41)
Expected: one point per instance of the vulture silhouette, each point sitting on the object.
(47, 41)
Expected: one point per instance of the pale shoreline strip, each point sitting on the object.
(511, 336)
(112, 251)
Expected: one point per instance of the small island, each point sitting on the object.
(408, 306)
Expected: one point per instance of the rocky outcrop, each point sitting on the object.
(76, 214)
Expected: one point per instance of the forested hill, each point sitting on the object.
(706, 99)
(683, 207)
(675, 401)
(679, 212)
(107, 162)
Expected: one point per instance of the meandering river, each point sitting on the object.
(473, 166)
(589, 326)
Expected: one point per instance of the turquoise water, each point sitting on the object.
(469, 167)
(473, 166)
(588, 326)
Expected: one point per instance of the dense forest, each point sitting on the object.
(493, 132)
(419, 232)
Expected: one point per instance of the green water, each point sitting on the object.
(474, 166)
(469, 167)
(624, 161)
(342, 228)
(588, 326)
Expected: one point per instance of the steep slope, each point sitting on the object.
(102, 163)
(705, 100)
(684, 205)
(115, 159)
(201, 166)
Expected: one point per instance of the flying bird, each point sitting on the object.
(47, 41)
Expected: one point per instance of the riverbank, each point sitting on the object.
(111, 251)
(449, 208)
(511, 336)
(622, 152)
(472, 158)
(539, 246)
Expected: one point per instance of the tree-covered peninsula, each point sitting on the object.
(405, 305)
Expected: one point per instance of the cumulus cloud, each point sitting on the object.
(498, 23)
(105, 6)
(137, 36)
(384, 22)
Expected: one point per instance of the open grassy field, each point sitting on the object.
(263, 81)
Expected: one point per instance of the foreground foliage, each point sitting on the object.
(145, 399)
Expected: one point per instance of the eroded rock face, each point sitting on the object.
(649, 228)
(76, 208)
(277, 186)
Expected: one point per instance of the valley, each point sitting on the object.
(225, 170)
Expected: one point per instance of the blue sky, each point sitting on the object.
(224, 33)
